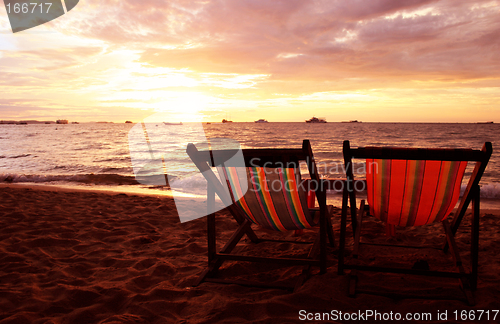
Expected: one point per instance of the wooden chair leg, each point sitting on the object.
(322, 239)
(352, 203)
(343, 224)
(475, 238)
(357, 234)
(211, 238)
(320, 243)
(353, 276)
(217, 262)
(240, 220)
(306, 269)
(464, 280)
(329, 228)
(211, 235)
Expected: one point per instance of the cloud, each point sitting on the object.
(58, 57)
(332, 40)
(16, 108)
(322, 40)
(137, 52)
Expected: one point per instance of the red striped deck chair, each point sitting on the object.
(415, 187)
(268, 192)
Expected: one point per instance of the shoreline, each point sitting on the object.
(96, 189)
(492, 205)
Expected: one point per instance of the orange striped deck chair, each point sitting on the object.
(267, 192)
(415, 187)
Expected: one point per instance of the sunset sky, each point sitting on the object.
(372, 60)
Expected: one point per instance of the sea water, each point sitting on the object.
(97, 155)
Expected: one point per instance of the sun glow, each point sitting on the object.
(184, 106)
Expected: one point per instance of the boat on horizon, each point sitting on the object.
(226, 121)
(316, 120)
(488, 122)
(261, 121)
(180, 123)
(61, 121)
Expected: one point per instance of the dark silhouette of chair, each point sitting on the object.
(413, 187)
(275, 199)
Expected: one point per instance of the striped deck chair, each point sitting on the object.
(414, 187)
(267, 191)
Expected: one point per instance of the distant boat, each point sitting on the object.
(61, 121)
(315, 120)
(226, 121)
(128, 122)
(488, 122)
(172, 123)
(75, 122)
(260, 121)
(352, 121)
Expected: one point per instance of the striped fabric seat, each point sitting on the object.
(413, 187)
(263, 186)
(413, 192)
(274, 199)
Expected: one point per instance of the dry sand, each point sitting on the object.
(93, 257)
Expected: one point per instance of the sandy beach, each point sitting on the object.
(94, 257)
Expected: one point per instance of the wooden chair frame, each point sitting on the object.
(468, 280)
(267, 158)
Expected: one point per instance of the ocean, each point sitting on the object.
(98, 155)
